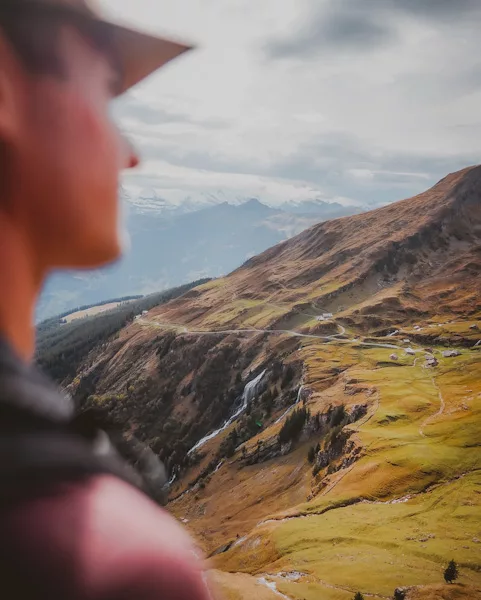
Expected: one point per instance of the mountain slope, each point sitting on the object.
(172, 250)
(322, 457)
(430, 241)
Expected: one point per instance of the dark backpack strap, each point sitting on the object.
(42, 442)
(38, 458)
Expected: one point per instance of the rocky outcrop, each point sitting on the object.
(338, 444)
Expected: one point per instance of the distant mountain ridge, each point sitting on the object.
(328, 210)
(151, 201)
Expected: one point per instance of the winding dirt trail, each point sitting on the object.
(431, 418)
(327, 338)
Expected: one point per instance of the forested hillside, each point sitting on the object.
(61, 347)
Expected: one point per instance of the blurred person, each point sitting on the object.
(73, 522)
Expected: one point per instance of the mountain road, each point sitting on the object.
(289, 332)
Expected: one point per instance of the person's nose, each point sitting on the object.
(133, 159)
(130, 156)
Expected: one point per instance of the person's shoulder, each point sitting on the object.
(119, 512)
(121, 543)
(137, 547)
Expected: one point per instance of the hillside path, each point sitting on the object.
(442, 406)
(289, 332)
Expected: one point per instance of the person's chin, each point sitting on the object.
(95, 256)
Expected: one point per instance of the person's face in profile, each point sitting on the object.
(64, 154)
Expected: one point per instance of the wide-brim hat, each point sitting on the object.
(139, 53)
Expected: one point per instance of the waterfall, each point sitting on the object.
(248, 394)
(218, 466)
(291, 407)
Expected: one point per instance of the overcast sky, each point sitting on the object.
(363, 100)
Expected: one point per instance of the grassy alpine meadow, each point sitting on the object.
(377, 547)
(407, 506)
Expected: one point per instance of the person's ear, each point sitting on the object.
(12, 80)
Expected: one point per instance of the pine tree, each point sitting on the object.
(293, 425)
(358, 596)
(337, 416)
(288, 376)
(451, 573)
(311, 455)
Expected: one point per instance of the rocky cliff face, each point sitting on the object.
(171, 390)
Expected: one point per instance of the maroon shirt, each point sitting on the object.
(90, 537)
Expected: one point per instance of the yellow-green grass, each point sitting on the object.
(238, 586)
(310, 590)
(351, 537)
(235, 499)
(319, 287)
(298, 322)
(377, 547)
(398, 458)
(92, 311)
(264, 318)
(373, 547)
(211, 285)
(225, 314)
(243, 314)
(459, 328)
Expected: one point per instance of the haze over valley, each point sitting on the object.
(171, 244)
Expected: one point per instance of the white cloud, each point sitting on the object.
(368, 174)
(367, 121)
(177, 182)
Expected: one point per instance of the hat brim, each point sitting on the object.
(141, 54)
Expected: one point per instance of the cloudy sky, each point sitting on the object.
(360, 100)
